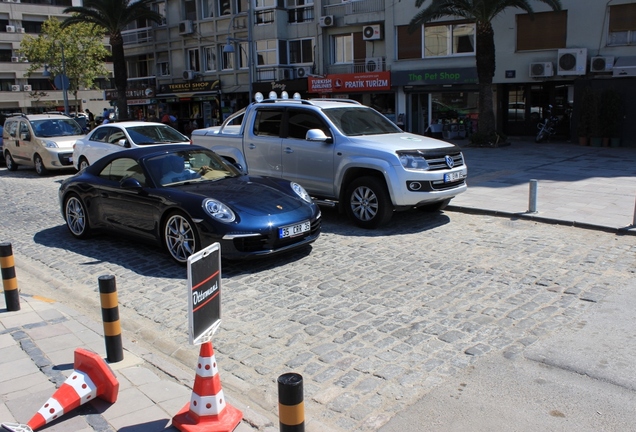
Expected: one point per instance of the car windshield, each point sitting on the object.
(56, 127)
(186, 166)
(360, 121)
(155, 134)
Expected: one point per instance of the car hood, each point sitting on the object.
(400, 141)
(250, 194)
(64, 142)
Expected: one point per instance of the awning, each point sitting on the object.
(624, 67)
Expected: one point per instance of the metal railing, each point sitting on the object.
(351, 7)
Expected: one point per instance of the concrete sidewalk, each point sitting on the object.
(37, 345)
(588, 187)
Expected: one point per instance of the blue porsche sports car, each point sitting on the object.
(187, 197)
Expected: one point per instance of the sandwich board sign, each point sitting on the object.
(204, 294)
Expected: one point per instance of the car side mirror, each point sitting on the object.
(130, 183)
(317, 135)
(124, 143)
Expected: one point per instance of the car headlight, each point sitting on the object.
(413, 161)
(300, 191)
(218, 210)
(49, 144)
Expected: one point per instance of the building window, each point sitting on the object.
(343, 49)
(409, 45)
(140, 66)
(225, 7)
(449, 39)
(243, 55)
(210, 58)
(241, 6)
(163, 63)
(193, 60)
(265, 4)
(301, 51)
(160, 8)
(300, 11)
(266, 52)
(207, 9)
(228, 61)
(190, 10)
(542, 30)
(622, 25)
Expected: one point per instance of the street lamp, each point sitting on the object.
(60, 80)
(228, 48)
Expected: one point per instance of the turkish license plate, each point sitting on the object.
(294, 230)
(454, 176)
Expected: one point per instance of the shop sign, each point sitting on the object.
(139, 102)
(350, 83)
(290, 86)
(191, 86)
(435, 76)
(147, 92)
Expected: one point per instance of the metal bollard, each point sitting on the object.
(110, 317)
(9, 280)
(532, 207)
(291, 405)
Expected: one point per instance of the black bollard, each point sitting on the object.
(9, 280)
(110, 317)
(291, 405)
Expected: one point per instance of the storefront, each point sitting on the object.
(440, 102)
(195, 104)
(371, 89)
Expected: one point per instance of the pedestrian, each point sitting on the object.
(91, 119)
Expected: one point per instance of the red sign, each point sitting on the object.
(350, 83)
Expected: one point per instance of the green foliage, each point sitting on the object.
(84, 53)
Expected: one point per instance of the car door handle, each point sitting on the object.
(288, 150)
(251, 146)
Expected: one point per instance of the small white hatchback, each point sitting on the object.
(113, 137)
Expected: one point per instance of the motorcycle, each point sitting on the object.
(547, 128)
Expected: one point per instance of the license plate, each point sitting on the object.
(454, 176)
(70, 159)
(294, 230)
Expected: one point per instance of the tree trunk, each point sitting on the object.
(485, 61)
(121, 75)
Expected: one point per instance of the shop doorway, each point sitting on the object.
(454, 114)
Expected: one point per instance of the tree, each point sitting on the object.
(84, 54)
(482, 12)
(113, 16)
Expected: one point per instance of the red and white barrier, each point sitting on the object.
(207, 411)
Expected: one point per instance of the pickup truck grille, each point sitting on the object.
(438, 162)
(272, 242)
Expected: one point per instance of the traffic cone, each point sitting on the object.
(91, 378)
(207, 410)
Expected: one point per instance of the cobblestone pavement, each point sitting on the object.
(373, 320)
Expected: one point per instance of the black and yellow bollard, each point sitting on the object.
(291, 405)
(9, 281)
(110, 317)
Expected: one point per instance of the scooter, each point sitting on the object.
(548, 127)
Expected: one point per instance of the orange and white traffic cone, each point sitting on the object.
(91, 378)
(207, 411)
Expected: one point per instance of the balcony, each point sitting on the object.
(137, 36)
(356, 11)
(300, 15)
(371, 64)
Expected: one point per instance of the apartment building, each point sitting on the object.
(209, 57)
(36, 93)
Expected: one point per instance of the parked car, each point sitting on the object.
(113, 137)
(186, 198)
(43, 141)
(343, 153)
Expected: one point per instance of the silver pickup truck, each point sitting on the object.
(343, 153)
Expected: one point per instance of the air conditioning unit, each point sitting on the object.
(27, 87)
(186, 27)
(601, 64)
(10, 29)
(373, 64)
(20, 29)
(302, 72)
(327, 21)
(372, 32)
(572, 61)
(15, 59)
(541, 69)
(189, 75)
(15, 88)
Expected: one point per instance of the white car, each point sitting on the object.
(113, 137)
